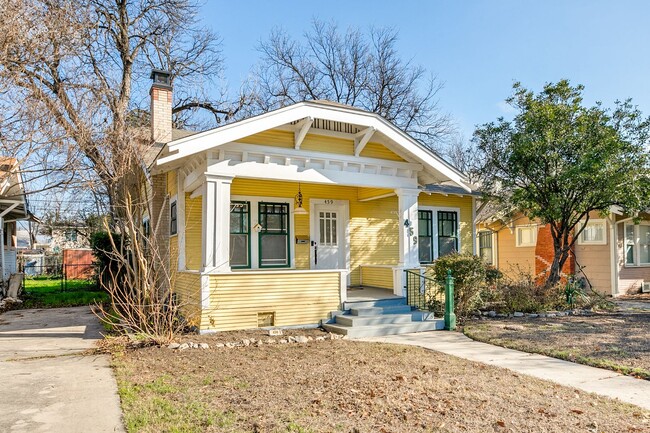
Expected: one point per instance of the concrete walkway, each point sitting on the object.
(48, 385)
(590, 379)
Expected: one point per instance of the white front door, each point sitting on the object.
(328, 240)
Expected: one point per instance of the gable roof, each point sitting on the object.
(414, 151)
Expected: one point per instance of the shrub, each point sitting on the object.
(470, 279)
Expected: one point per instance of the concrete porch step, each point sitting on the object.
(374, 311)
(386, 302)
(381, 330)
(381, 319)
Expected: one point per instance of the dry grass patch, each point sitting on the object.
(348, 386)
(617, 341)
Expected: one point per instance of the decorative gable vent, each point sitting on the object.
(331, 125)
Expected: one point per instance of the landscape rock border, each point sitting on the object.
(252, 342)
(517, 314)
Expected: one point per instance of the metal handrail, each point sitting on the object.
(423, 292)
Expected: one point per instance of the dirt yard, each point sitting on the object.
(347, 386)
(619, 341)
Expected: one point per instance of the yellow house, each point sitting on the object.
(274, 220)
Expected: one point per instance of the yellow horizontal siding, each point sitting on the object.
(193, 232)
(377, 277)
(367, 193)
(172, 185)
(187, 287)
(373, 224)
(465, 206)
(377, 150)
(319, 143)
(296, 299)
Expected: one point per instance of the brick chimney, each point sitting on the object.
(161, 106)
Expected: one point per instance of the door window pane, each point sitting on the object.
(327, 225)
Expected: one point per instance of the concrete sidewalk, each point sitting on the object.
(48, 385)
(603, 382)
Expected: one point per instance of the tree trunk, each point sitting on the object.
(560, 256)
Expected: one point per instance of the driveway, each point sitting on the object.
(48, 383)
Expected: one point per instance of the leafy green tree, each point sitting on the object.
(559, 160)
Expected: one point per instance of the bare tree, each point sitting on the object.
(351, 68)
(463, 155)
(77, 66)
(72, 73)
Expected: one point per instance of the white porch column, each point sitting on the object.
(216, 223)
(408, 227)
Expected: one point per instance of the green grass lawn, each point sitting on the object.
(50, 293)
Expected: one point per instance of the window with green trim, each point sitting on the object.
(274, 235)
(447, 232)
(240, 250)
(425, 235)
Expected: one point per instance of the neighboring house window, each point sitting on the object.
(485, 247)
(146, 227)
(637, 244)
(71, 235)
(425, 235)
(274, 235)
(526, 236)
(437, 237)
(240, 234)
(593, 233)
(173, 218)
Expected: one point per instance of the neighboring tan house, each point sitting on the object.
(13, 208)
(270, 220)
(613, 252)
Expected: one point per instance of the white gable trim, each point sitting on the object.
(217, 137)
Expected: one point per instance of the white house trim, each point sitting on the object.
(302, 128)
(361, 139)
(219, 136)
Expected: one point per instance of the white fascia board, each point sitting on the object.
(217, 137)
(255, 170)
(292, 153)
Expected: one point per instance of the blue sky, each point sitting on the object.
(477, 48)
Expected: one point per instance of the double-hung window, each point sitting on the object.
(447, 233)
(485, 248)
(437, 234)
(526, 236)
(274, 235)
(637, 244)
(425, 229)
(594, 233)
(240, 234)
